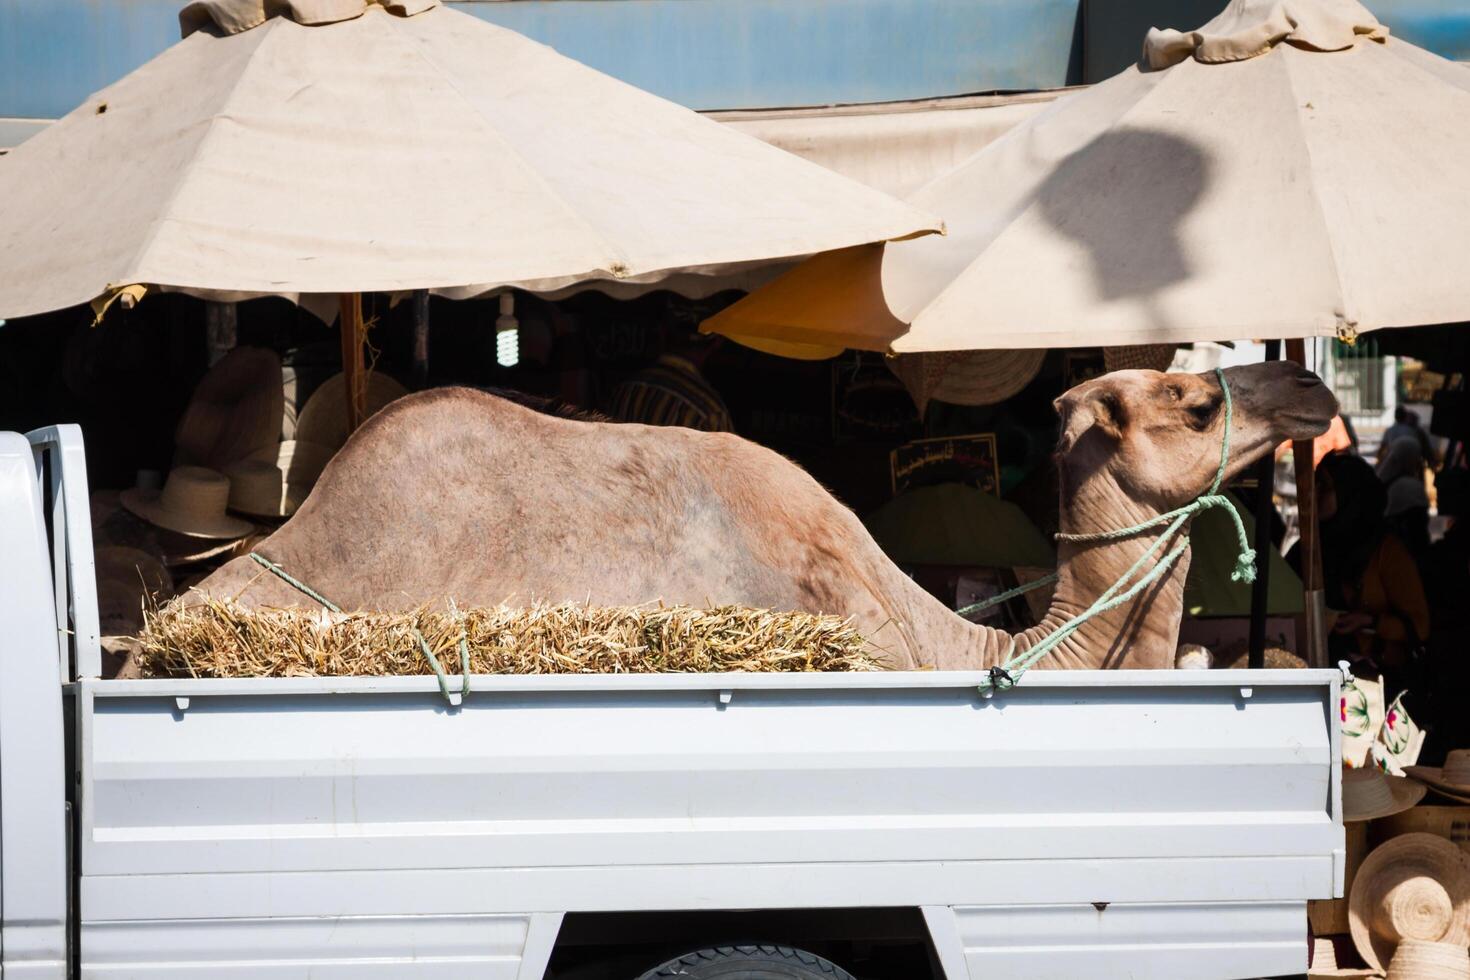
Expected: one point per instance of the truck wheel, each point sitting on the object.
(760, 962)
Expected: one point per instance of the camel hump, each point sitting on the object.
(414, 414)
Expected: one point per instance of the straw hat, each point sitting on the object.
(1323, 963)
(235, 412)
(277, 486)
(1146, 357)
(981, 377)
(1416, 959)
(1368, 794)
(258, 488)
(323, 419)
(126, 578)
(192, 503)
(1415, 886)
(1452, 779)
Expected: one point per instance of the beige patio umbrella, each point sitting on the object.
(1288, 170)
(314, 148)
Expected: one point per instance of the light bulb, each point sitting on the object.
(507, 333)
(507, 347)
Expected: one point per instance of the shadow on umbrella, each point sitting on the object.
(1124, 198)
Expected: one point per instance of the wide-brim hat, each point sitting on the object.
(258, 489)
(1370, 793)
(1451, 780)
(277, 487)
(323, 419)
(1324, 965)
(235, 412)
(180, 551)
(1415, 886)
(1140, 357)
(982, 377)
(1416, 959)
(192, 503)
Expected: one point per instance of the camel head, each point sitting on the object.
(1156, 437)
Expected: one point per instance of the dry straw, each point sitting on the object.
(214, 638)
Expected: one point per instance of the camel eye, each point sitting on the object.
(1203, 413)
(1175, 392)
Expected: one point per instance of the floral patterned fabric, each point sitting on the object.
(1375, 735)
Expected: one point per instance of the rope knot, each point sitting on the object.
(1245, 567)
(1001, 679)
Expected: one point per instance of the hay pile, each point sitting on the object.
(222, 639)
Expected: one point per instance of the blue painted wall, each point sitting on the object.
(1442, 26)
(707, 54)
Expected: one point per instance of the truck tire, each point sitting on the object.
(748, 962)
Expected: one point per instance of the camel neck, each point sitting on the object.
(1141, 633)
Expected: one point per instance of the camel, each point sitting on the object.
(458, 494)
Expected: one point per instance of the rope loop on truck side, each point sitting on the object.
(443, 678)
(1245, 566)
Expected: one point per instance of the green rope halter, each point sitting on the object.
(1005, 676)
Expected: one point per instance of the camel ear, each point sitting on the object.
(1096, 406)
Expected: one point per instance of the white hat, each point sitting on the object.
(982, 377)
(1415, 886)
(323, 419)
(1452, 779)
(1416, 959)
(302, 462)
(234, 413)
(192, 502)
(1322, 964)
(258, 488)
(1368, 794)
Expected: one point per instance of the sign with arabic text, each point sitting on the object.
(968, 459)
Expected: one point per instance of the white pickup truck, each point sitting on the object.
(895, 826)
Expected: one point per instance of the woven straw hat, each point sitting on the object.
(323, 419)
(981, 377)
(1368, 794)
(1416, 886)
(235, 412)
(1452, 779)
(1323, 963)
(192, 502)
(258, 488)
(1416, 959)
(1145, 357)
(181, 551)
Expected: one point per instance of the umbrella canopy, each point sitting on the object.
(295, 147)
(1289, 170)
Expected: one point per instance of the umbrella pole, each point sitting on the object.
(1260, 589)
(1312, 645)
(354, 373)
(420, 339)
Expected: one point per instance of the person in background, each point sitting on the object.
(1406, 426)
(1401, 470)
(672, 391)
(1447, 572)
(1368, 573)
(1447, 579)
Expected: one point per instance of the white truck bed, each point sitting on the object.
(1089, 823)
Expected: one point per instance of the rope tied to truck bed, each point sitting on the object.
(464, 647)
(1004, 677)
